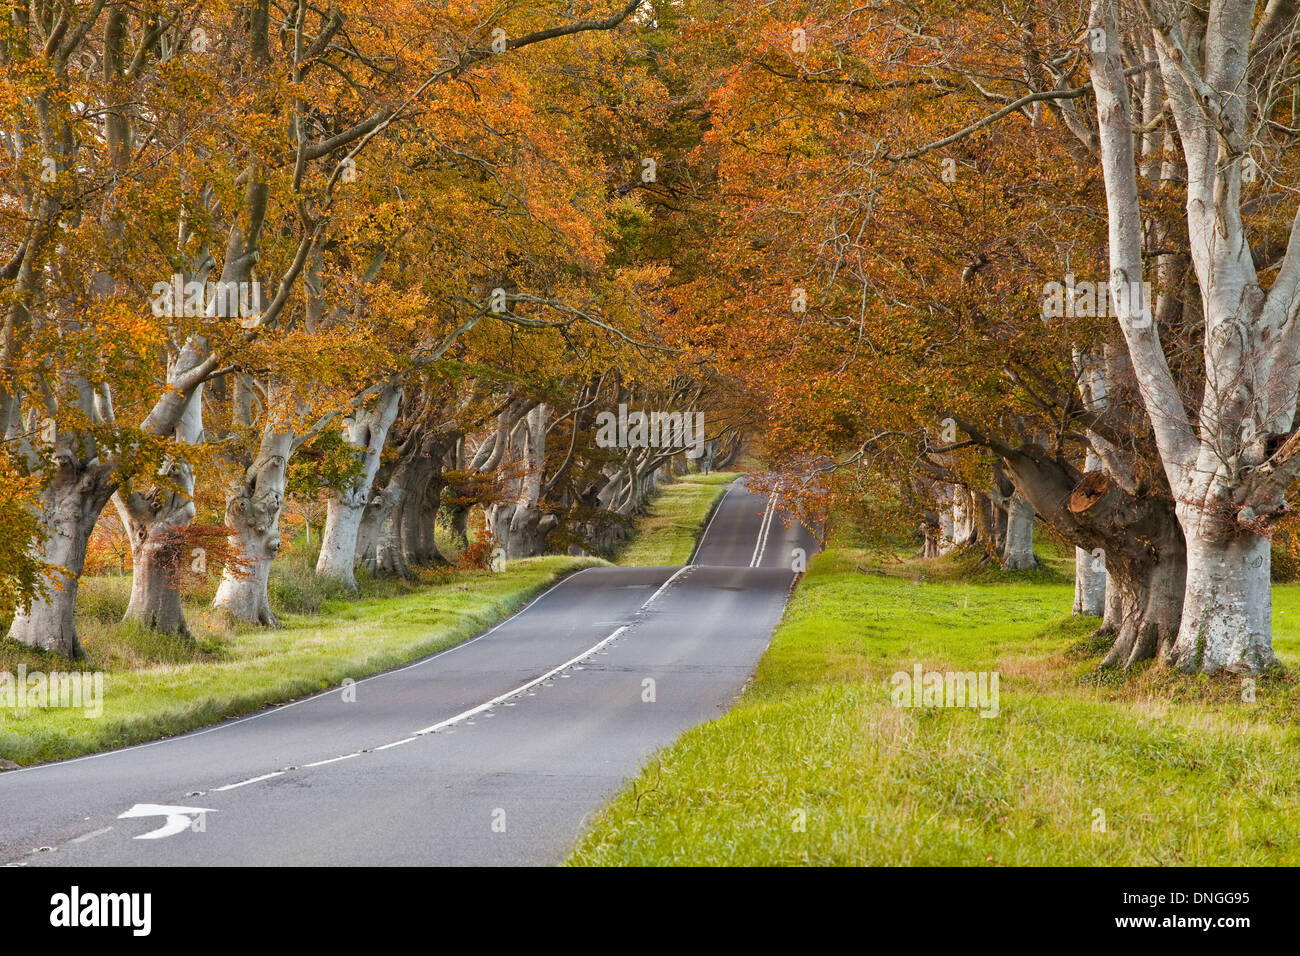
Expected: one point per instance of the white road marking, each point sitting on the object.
(465, 715)
(179, 819)
(730, 488)
(245, 783)
(664, 587)
(321, 763)
(764, 527)
(89, 836)
(488, 705)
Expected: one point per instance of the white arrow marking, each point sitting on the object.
(178, 818)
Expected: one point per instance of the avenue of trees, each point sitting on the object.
(960, 266)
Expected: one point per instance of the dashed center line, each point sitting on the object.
(245, 783)
(321, 763)
(89, 836)
(465, 715)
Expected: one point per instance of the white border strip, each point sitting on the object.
(699, 545)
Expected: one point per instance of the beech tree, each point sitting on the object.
(828, 95)
(1231, 460)
(111, 111)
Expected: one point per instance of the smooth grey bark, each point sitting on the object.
(1090, 567)
(80, 487)
(1230, 469)
(389, 557)
(373, 520)
(1018, 549)
(397, 547)
(1227, 613)
(1089, 583)
(346, 508)
(965, 530)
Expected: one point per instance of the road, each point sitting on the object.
(493, 752)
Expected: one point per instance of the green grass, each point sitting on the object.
(814, 765)
(666, 535)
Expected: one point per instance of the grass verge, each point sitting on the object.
(666, 535)
(158, 686)
(814, 765)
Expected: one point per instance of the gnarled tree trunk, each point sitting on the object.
(516, 521)
(1230, 466)
(155, 523)
(71, 504)
(253, 511)
(347, 507)
(1148, 582)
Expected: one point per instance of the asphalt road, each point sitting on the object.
(495, 751)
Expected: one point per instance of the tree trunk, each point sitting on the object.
(1089, 583)
(1149, 594)
(516, 522)
(1227, 613)
(71, 504)
(155, 580)
(346, 508)
(1018, 550)
(155, 523)
(1113, 615)
(931, 535)
(389, 556)
(377, 511)
(1141, 537)
(1230, 469)
(338, 550)
(946, 529)
(965, 531)
(411, 522)
(1090, 569)
(253, 511)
